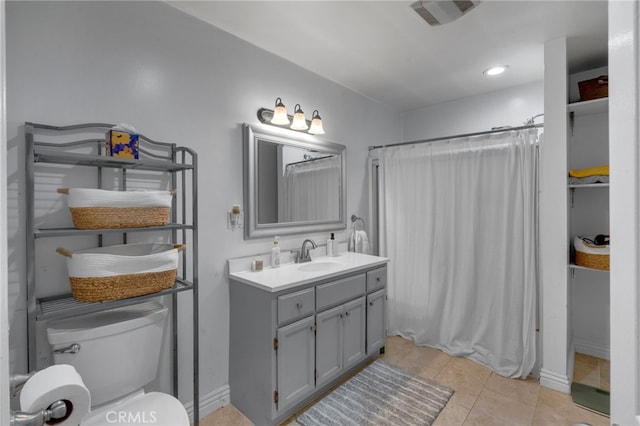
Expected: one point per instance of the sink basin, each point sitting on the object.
(319, 266)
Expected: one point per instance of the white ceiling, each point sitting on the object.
(386, 52)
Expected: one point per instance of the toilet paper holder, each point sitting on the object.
(58, 410)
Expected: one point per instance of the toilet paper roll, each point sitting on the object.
(58, 382)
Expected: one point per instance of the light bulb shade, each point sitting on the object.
(299, 122)
(316, 124)
(280, 113)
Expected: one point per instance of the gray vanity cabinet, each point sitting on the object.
(376, 333)
(341, 331)
(340, 339)
(296, 358)
(354, 332)
(289, 346)
(376, 320)
(329, 338)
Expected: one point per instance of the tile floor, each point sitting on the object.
(481, 397)
(591, 371)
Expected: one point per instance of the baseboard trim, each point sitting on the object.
(210, 402)
(555, 381)
(587, 348)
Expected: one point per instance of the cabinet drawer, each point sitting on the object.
(295, 305)
(339, 291)
(376, 279)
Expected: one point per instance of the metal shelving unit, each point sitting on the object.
(83, 145)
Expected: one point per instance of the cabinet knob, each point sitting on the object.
(299, 305)
(341, 315)
(370, 303)
(347, 313)
(378, 279)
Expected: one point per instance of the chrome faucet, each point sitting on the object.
(304, 251)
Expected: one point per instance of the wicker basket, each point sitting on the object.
(594, 88)
(591, 256)
(103, 209)
(121, 271)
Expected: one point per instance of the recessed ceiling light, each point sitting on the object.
(490, 72)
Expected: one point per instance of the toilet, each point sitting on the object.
(119, 352)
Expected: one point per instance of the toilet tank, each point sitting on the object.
(119, 348)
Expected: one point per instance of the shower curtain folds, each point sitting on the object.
(311, 191)
(458, 223)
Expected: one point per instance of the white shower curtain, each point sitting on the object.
(311, 190)
(458, 223)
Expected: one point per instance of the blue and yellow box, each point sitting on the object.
(121, 144)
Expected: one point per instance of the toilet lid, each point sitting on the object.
(153, 408)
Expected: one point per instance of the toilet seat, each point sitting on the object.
(153, 408)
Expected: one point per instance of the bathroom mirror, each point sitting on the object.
(293, 182)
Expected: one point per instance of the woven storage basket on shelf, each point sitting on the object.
(121, 271)
(594, 89)
(591, 256)
(103, 209)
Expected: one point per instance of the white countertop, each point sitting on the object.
(290, 275)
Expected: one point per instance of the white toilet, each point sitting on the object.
(119, 352)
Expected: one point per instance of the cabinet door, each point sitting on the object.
(376, 333)
(329, 344)
(296, 351)
(354, 332)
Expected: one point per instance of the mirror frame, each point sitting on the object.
(253, 133)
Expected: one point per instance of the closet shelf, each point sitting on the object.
(65, 232)
(589, 185)
(63, 306)
(594, 106)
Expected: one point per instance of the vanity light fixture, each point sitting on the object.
(316, 124)
(280, 113)
(299, 122)
(278, 117)
(497, 70)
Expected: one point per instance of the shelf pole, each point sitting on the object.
(196, 331)
(30, 246)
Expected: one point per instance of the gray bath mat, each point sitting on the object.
(381, 394)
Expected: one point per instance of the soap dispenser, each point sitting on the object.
(332, 246)
(275, 254)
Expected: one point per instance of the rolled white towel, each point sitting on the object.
(90, 197)
(588, 248)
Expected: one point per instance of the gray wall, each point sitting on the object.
(506, 107)
(176, 79)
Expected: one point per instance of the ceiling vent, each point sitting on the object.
(440, 12)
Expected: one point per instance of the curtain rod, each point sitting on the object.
(465, 135)
(309, 160)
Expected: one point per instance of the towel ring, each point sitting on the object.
(355, 219)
